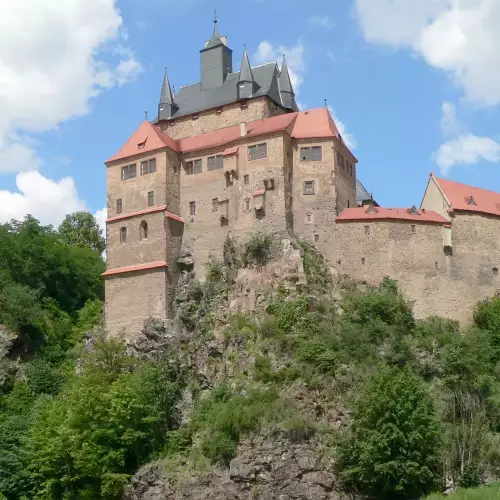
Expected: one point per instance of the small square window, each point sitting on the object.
(495, 271)
(309, 218)
(316, 237)
(246, 179)
(363, 261)
(151, 198)
(367, 229)
(119, 206)
(129, 172)
(308, 187)
(215, 204)
(123, 235)
(192, 208)
(413, 228)
(436, 265)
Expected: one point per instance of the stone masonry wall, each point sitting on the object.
(133, 297)
(204, 232)
(231, 114)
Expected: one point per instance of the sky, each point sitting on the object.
(414, 86)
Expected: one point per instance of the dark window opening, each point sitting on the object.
(246, 179)
(367, 229)
(316, 237)
(495, 271)
(143, 230)
(436, 265)
(363, 260)
(192, 208)
(151, 198)
(247, 204)
(123, 235)
(215, 204)
(119, 206)
(413, 228)
(193, 167)
(214, 163)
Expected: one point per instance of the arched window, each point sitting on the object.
(144, 230)
(123, 234)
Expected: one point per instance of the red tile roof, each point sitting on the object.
(364, 214)
(230, 151)
(228, 135)
(459, 196)
(152, 138)
(138, 267)
(150, 210)
(313, 124)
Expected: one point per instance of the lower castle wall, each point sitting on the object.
(133, 297)
(438, 284)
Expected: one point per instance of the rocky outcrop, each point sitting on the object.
(267, 467)
(8, 367)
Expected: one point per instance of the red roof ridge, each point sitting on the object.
(382, 213)
(137, 267)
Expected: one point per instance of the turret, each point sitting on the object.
(286, 89)
(247, 86)
(167, 107)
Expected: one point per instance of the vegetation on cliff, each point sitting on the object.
(397, 408)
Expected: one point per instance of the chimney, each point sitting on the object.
(243, 129)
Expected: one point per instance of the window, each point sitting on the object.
(495, 271)
(119, 206)
(413, 228)
(192, 208)
(123, 235)
(214, 163)
(308, 187)
(247, 205)
(129, 172)
(148, 166)
(311, 154)
(436, 265)
(246, 179)
(143, 229)
(258, 151)
(350, 169)
(340, 160)
(316, 237)
(215, 204)
(309, 218)
(367, 229)
(151, 198)
(193, 167)
(363, 261)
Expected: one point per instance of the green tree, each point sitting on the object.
(82, 229)
(394, 451)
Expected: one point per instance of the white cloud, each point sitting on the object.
(101, 216)
(322, 21)
(267, 52)
(54, 57)
(460, 37)
(449, 122)
(348, 138)
(47, 200)
(467, 150)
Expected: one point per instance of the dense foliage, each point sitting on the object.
(423, 397)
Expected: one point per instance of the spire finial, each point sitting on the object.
(145, 115)
(215, 16)
(326, 101)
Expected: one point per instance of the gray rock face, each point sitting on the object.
(266, 468)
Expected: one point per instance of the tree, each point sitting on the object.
(82, 229)
(394, 450)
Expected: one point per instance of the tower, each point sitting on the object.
(167, 107)
(216, 61)
(247, 86)
(286, 89)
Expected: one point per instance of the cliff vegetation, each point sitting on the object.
(275, 380)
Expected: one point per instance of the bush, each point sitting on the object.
(258, 249)
(394, 450)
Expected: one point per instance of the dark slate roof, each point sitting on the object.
(245, 70)
(285, 82)
(361, 193)
(166, 91)
(192, 99)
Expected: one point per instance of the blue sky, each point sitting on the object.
(415, 86)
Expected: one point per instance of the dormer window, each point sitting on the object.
(141, 145)
(413, 211)
(471, 201)
(372, 210)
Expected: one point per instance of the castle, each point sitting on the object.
(233, 153)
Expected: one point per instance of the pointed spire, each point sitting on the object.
(285, 82)
(215, 40)
(246, 74)
(215, 36)
(166, 91)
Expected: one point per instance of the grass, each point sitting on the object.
(491, 492)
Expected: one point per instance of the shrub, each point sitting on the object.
(394, 449)
(258, 249)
